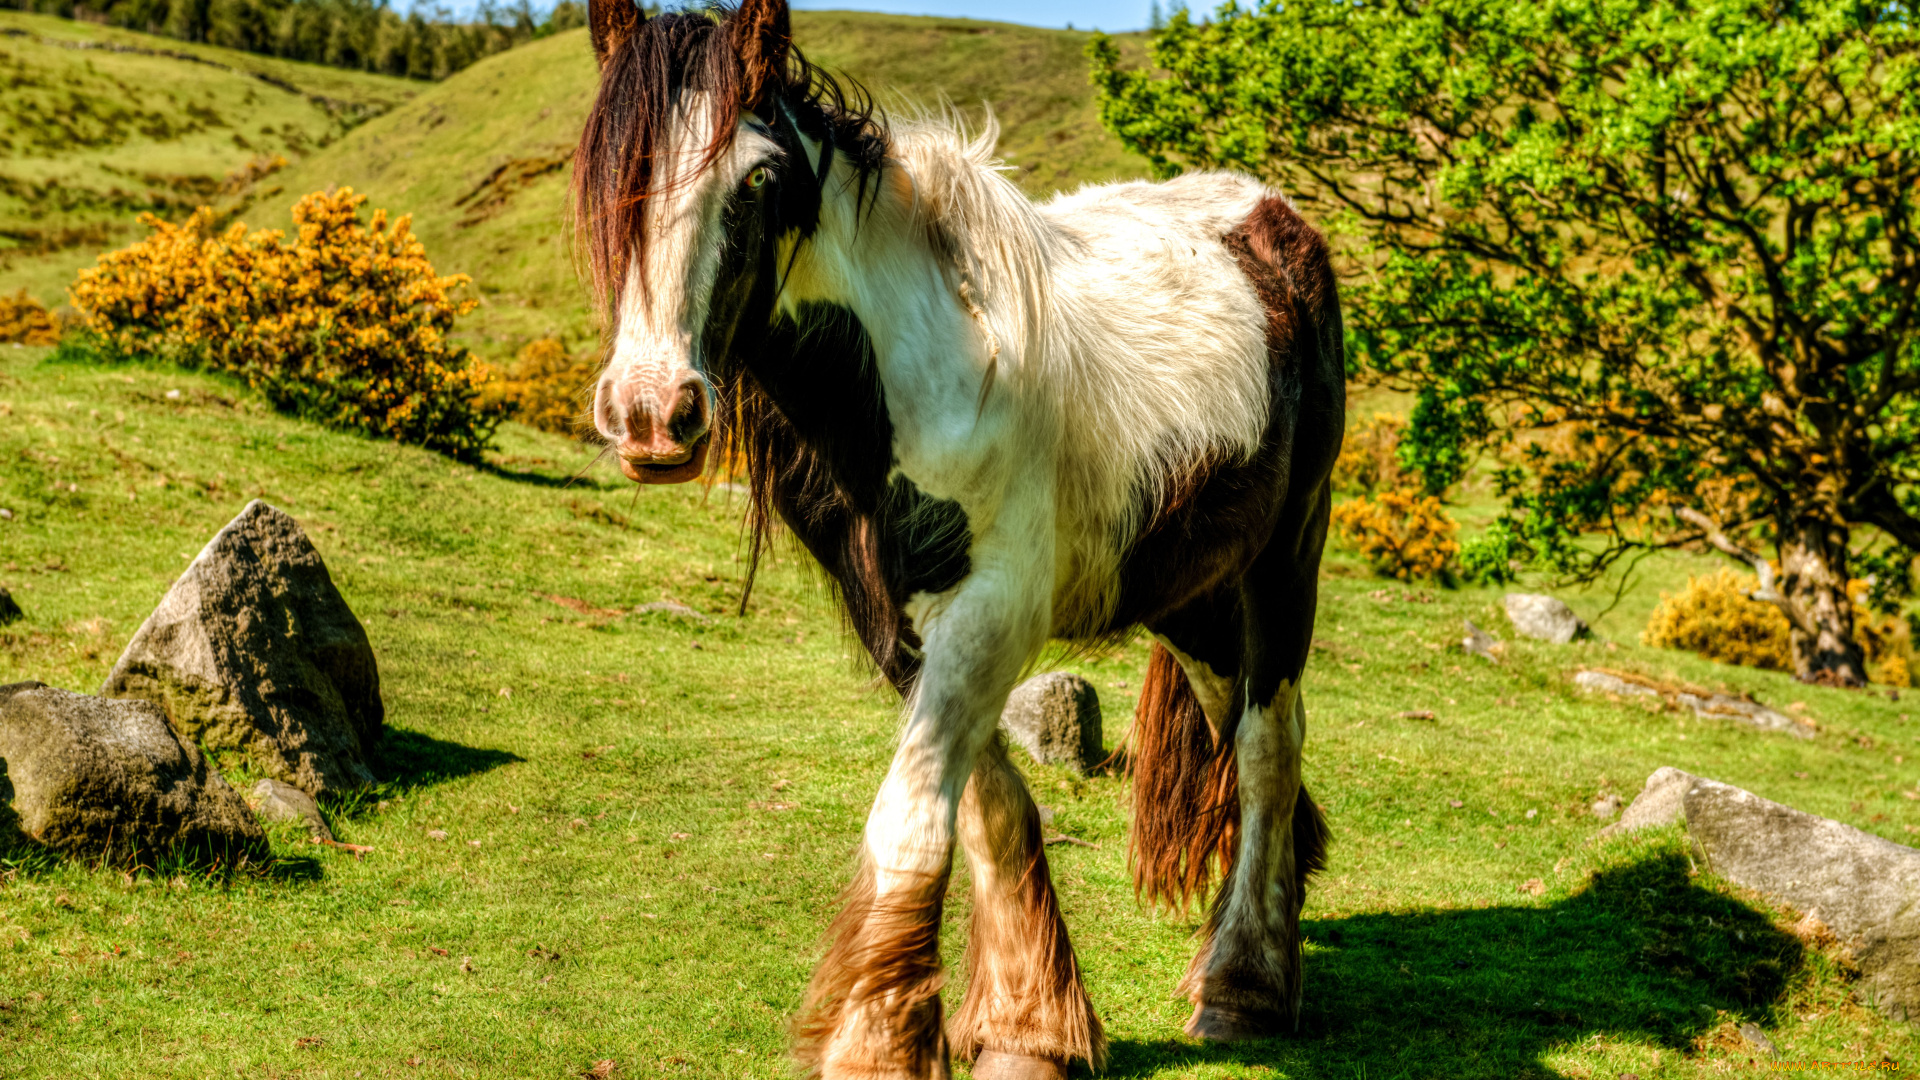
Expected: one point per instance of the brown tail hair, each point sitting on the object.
(1186, 792)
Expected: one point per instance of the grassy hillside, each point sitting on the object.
(649, 818)
(99, 124)
(480, 160)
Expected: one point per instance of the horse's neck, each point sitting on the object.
(939, 268)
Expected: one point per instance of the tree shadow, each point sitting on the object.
(1640, 952)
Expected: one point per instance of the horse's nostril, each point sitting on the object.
(689, 419)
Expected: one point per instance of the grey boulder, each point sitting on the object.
(254, 650)
(1864, 888)
(275, 801)
(1543, 618)
(1056, 718)
(94, 777)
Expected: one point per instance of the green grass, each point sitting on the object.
(99, 124)
(620, 876)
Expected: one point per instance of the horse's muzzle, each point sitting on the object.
(684, 464)
(660, 445)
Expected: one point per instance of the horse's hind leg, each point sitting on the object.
(1026, 1013)
(1246, 981)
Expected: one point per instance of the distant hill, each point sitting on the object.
(99, 124)
(480, 160)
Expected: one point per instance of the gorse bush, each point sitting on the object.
(23, 321)
(345, 324)
(1402, 534)
(1370, 456)
(1715, 618)
(545, 387)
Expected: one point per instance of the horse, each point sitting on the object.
(993, 423)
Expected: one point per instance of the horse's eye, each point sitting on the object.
(757, 177)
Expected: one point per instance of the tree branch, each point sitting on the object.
(1767, 592)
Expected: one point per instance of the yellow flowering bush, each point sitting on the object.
(345, 324)
(1403, 534)
(23, 321)
(1713, 617)
(1370, 456)
(545, 387)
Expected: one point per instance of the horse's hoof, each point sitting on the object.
(994, 1065)
(1216, 1023)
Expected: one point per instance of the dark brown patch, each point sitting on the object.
(1186, 805)
(881, 950)
(1212, 520)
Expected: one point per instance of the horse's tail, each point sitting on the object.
(1186, 791)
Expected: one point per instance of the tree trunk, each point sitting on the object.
(1813, 579)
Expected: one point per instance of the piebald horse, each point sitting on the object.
(992, 422)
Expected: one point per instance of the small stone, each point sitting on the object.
(9, 608)
(1455, 803)
(1757, 1038)
(277, 801)
(1543, 618)
(1056, 718)
(1531, 814)
(438, 835)
(173, 395)
(253, 649)
(668, 607)
(93, 776)
(5, 514)
(1606, 807)
(1605, 682)
(1480, 643)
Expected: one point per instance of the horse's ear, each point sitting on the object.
(762, 36)
(612, 21)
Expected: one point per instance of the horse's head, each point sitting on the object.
(704, 151)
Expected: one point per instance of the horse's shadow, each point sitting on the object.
(1640, 953)
(410, 761)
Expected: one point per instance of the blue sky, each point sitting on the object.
(1084, 14)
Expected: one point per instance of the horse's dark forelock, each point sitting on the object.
(642, 80)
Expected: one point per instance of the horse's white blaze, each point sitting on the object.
(663, 302)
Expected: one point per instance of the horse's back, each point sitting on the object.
(1188, 365)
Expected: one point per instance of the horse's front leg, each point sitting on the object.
(873, 1009)
(1026, 1013)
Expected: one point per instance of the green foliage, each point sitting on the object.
(1494, 556)
(365, 35)
(1690, 226)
